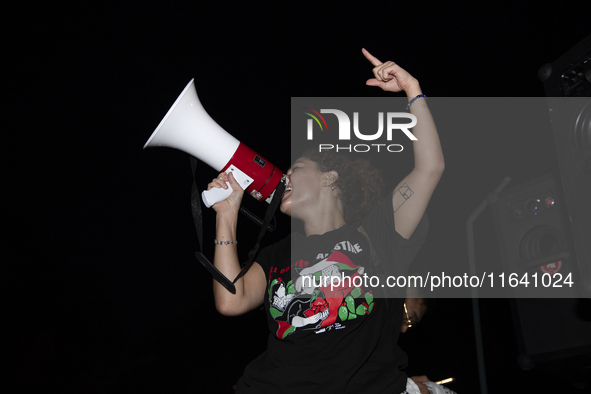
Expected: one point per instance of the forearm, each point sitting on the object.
(427, 148)
(227, 262)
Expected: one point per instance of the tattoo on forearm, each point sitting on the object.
(406, 193)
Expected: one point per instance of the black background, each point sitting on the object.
(104, 294)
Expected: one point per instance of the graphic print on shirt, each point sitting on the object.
(321, 297)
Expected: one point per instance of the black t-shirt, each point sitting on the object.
(328, 335)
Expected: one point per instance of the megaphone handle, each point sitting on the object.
(215, 194)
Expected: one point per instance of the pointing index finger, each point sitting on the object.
(370, 57)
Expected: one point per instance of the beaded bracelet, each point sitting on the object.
(215, 241)
(414, 99)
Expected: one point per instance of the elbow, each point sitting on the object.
(226, 311)
(433, 170)
(432, 164)
(227, 308)
(439, 167)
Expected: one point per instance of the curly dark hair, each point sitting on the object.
(360, 184)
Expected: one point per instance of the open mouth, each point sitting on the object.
(287, 188)
(286, 192)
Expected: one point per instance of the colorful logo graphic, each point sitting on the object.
(316, 119)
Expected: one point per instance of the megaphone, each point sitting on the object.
(189, 128)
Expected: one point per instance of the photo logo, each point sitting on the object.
(391, 125)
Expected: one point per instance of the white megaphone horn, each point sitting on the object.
(189, 128)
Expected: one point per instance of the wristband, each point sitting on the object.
(215, 241)
(414, 99)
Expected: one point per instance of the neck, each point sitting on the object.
(323, 223)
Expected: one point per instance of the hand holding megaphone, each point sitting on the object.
(226, 187)
(214, 195)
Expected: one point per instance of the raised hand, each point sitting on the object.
(390, 77)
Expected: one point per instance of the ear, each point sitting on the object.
(331, 176)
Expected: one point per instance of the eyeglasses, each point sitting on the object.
(409, 323)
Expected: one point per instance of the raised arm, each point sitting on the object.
(250, 289)
(413, 193)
